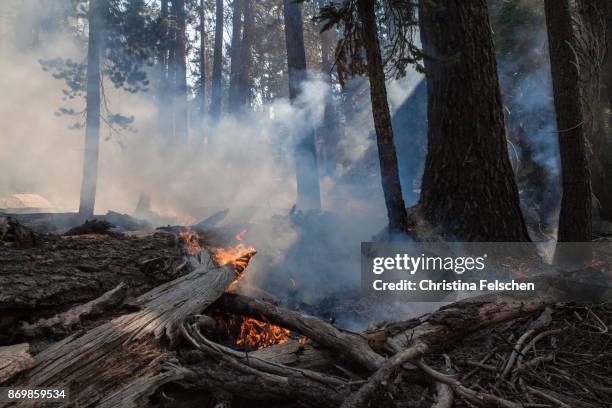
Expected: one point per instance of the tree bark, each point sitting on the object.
(235, 54)
(215, 102)
(597, 19)
(396, 210)
(97, 25)
(307, 171)
(181, 116)
(468, 187)
(575, 215)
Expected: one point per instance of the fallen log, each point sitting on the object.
(295, 354)
(248, 376)
(123, 361)
(352, 346)
(13, 360)
(65, 322)
(66, 271)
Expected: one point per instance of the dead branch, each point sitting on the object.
(362, 397)
(250, 377)
(478, 398)
(217, 350)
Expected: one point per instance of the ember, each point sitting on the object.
(256, 334)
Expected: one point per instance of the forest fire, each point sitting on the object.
(256, 334)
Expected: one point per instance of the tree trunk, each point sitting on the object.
(575, 216)
(468, 188)
(597, 18)
(396, 210)
(215, 103)
(307, 172)
(181, 118)
(330, 129)
(244, 81)
(203, 64)
(164, 100)
(97, 23)
(235, 54)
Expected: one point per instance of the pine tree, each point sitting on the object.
(217, 74)
(575, 216)
(389, 173)
(307, 172)
(468, 189)
(98, 11)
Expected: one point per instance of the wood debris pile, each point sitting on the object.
(125, 336)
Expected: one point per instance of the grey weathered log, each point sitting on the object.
(126, 359)
(65, 322)
(13, 360)
(294, 354)
(352, 346)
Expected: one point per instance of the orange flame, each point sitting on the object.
(257, 334)
(223, 256)
(192, 243)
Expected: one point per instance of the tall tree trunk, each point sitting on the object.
(396, 210)
(244, 81)
(235, 54)
(307, 171)
(203, 68)
(597, 28)
(164, 95)
(97, 26)
(468, 189)
(181, 118)
(330, 128)
(215, 102)
(575, 216)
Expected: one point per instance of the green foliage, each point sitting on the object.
(397, 21)
(130, 39)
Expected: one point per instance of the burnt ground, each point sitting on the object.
(566, 360)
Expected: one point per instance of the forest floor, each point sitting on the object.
(557, 355)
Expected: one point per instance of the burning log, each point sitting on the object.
(351, 345)
(266, 380)
(123, 361)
